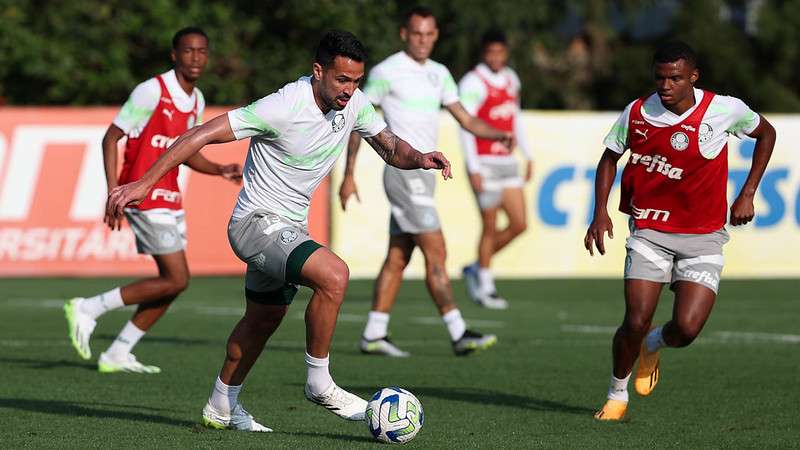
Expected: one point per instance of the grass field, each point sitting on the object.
(735, 387)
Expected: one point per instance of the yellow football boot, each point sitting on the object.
(612, 410)
(647, 374)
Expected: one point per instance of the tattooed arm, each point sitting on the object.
(399, 153)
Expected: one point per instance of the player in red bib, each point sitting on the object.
(157, 112)
(491, 92)
(674, 189)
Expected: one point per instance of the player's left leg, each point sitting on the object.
(173, 278)
(464, 341)
(513, 205)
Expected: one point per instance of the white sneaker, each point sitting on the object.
(79, 327)
(112, 363)
(240, 420)
(382, 346)
(492, 301)
(340, 402)
(470, 275)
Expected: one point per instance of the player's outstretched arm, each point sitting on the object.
(216, 131)
(399, 153)
(478, 127)
(742, 209)
(348, 186)
(601, 222)
(199, 163)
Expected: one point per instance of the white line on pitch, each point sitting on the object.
(714, 336)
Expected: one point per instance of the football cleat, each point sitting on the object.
(79, 327)
(471, 341)
(647, 373)
(492, 301)
(382, 346)
(340, 402)
(239, 420)
(612, 410)
(127, 363)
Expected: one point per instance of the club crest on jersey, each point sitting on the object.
(679, 141)
(706, 133)
(338, 122)
(288, 236)
(433, 78)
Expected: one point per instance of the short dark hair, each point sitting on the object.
(176, 40)
(339, 43)
(674, 50)
(493, 37)
(419, 10)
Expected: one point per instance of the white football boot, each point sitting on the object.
(470, 275)
(108, 363)
(382, 346)
(239, 420)
(340, 402)
(79, 327)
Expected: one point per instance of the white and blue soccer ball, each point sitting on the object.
(394, 415)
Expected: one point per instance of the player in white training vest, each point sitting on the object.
(491, 92)
(296, 135)
(158, 110)
(411, 88)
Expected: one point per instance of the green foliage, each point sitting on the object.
(569, 54)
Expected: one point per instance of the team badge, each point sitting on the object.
(706, 133)
(288, 236)
(167, 238)
(338, 122)
(433, 78)
(679, 141)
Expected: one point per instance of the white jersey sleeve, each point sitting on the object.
(472, 92)
(743, 120)
(449, 88)
(266, 117)
(368, 122)
(378, 85)
(136, 111)
(201, 106)
(617, 139)
(519, 126)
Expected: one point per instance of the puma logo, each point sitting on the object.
(643, 133)
(167, 113)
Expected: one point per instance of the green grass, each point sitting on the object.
(537, 388)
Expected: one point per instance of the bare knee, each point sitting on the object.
(636, 326)
(517, 228)
(334, 284)
(174, 285)
(396, 262)
(686, 331)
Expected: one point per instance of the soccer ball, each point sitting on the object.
(394, 415)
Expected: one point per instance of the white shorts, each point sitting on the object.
(495, 178)
(159, 231)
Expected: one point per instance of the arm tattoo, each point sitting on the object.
(395, 151)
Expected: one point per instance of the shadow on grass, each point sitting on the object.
(89, 409)
(339, 437)
(486, 397)
(49, 363)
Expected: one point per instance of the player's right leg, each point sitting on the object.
(464, 341)
(375, 339)
(161, 234)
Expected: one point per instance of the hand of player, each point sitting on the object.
(742, 210)
(508, 140)
(436, 160)
(119, 198)
(476, 180)
(529, 171)
(232, 173)
(595, 234)
(348, 188)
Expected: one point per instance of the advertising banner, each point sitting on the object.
(567, 147)
(53, 192)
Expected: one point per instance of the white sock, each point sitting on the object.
(319, 378)
(223, 397)
(655, 340)
(124, 343)
(455, 324)
(487, 281)
(618, 389)
(100, 304)
(377, 325)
